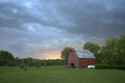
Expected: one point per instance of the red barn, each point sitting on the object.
(81, 59)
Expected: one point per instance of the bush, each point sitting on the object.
(106, 66)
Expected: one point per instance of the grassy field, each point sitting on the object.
(58, 74)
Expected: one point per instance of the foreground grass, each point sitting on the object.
(58, 74)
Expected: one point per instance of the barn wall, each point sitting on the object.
(85, 62)
(72, 59)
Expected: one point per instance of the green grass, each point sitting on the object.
(58, 74)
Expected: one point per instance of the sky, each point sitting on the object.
(42, 28)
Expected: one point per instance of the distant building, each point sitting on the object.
(81, 59)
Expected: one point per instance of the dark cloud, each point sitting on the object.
(31, 27)
(96, 18)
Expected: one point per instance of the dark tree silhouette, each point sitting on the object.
(6, 58)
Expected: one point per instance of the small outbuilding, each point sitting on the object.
(81, 59)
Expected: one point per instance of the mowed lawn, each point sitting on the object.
(59, 74)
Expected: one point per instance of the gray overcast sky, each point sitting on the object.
(42, 28)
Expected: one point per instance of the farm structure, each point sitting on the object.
(81, 59)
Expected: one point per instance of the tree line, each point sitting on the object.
(8, 59)
(112, 52)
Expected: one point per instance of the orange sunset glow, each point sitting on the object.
(48, 55)
(53, 55)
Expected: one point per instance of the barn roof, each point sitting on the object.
(85, 54)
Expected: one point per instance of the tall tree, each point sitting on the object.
(6, 58)
(113, 53)
(93, 47)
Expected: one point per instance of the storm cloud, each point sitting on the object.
(33, 28)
